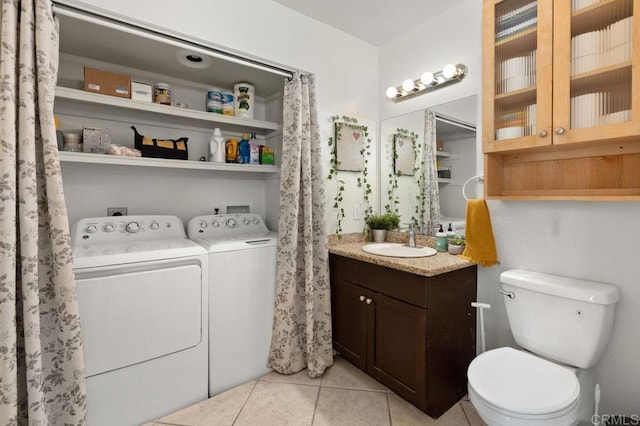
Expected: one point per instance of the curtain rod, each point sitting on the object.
(144, 30)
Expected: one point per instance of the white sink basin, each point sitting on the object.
(398, 250)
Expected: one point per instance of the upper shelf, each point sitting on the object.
(229, 122)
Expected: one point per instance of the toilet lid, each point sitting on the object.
(522, 383)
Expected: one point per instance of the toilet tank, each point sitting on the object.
(565, 319)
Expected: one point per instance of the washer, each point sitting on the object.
(142, 294)
(242, 272)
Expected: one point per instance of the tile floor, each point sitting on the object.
(343, 396)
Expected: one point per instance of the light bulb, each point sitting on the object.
(408, 85)
(449, 71)
(392, 92)
(427, 78)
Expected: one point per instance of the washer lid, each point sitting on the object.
(522, 383)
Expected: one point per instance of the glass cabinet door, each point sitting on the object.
(594, 77)
(518, 73)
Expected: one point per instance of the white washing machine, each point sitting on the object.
(142, 294)
(242, 271)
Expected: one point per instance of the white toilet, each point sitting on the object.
(564, 325)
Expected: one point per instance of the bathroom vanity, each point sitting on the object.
(412, 330)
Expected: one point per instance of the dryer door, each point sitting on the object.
(129, 316)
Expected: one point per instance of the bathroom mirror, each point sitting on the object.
(446, 165)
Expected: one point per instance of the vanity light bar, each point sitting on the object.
(428, 81)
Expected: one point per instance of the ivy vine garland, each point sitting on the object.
(418, 169)
(362, 180)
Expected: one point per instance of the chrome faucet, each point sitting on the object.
(412, 236)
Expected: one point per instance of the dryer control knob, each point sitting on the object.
(108, 228)
(203, 224)
(132, 227)
(215, 224)
(231, 223)
(255, 220)
(92, 229)
(154, 226)
(246, 221)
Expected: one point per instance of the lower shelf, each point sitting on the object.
(81, 157)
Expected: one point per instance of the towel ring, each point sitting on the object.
(464, 186)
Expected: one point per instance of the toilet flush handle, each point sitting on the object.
(509, 294)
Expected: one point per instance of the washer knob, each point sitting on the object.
(255, 220)
(231, 223)
(215, 224)
(246, 221)
(132, 227)
(154, 226)
(109, 228)
(92, 229)
(203, 224)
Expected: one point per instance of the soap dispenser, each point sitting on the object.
(217, 147)
(450, 233)
(441, 239)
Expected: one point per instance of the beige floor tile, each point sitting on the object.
(454, 417)
(279, 404)
(220, 410)
(343, 374)
(350, 407)
(300, 378)
(405, 414)
(472, 414)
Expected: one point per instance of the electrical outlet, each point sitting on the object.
(357, 212)
(116, 211)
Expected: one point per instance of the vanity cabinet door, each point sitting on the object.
(398, 347)
(349, 321)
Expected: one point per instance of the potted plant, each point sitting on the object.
(380, 224)
(456, 245)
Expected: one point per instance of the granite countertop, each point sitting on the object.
(425, 266)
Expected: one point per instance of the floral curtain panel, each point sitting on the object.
(302, 318)
(41, 363)
(431, 191)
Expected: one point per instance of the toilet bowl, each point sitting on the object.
(512, 387)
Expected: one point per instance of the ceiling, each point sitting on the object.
(374, 21)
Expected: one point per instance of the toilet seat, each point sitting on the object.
(515, 384)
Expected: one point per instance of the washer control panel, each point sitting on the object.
(224, 225)
(113, 229)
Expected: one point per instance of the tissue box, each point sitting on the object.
(107, 83)
(141, 91)
(94, 140)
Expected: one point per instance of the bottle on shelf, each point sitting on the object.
(243, 149)
(217, 147)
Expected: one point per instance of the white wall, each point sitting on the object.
(577, 239)
(345, 69)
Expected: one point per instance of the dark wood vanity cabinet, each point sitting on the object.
(414, 334)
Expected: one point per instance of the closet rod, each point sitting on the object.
(143, 30)
(455, 122)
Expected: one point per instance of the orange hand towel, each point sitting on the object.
(480, 245)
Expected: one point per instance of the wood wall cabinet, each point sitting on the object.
(414, 334)
(561, 99)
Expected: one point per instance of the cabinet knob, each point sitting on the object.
(362, 298)
(559, 131)
(368, 301)
(543, 133)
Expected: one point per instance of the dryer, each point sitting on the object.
(242, 274)
(142, 294)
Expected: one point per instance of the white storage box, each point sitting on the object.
(141, 91)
